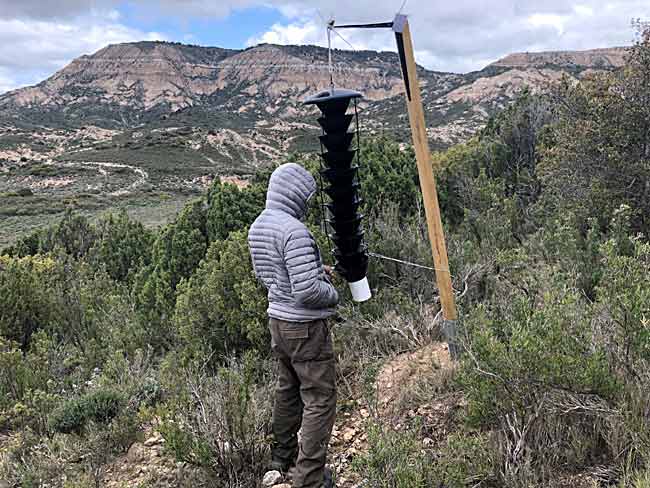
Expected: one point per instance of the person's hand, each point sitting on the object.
(329, 271)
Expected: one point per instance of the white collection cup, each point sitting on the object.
(360, 290)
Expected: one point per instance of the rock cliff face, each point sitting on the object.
(505, 85)
(140, 75)
(147, 75)
(148, 124)
(606, 58)
(140, 84)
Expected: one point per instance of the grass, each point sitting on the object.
(12, 141)
(21, 216)
(160, 173)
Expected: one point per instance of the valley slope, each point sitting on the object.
(147, 125)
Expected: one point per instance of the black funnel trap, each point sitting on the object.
(352, 264)
(344, 210)
(345, 193)
(346, 227)
(339, 159)
(343, 188)
(335, 141)
(335, 124)
(348, 244)
(342, 176)
(333, 102)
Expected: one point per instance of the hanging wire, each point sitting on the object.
(344, 39)
(402, 7)
(358, 131)
(329, 54)
(407, 263)
(358, 134)
(324, 225)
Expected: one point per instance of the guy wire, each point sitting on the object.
(322, 198)
(359, 161)
(407, 263)
(329, 55)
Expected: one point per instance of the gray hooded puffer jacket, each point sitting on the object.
(285, 256)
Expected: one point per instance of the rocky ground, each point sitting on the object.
(146, 464)
(406, 387)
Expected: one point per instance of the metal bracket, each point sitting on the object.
(449, 331)
(401, 51)
(399, 23)
(379, 25)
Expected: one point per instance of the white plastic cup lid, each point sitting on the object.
(360, 290)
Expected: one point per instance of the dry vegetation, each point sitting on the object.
(123, 347)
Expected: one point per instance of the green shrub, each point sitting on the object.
(561, 374)
(598, 158)
(135, 375)
(389, 175)
(30, 461)
(395, 459)
(232, 209)
(405, 238)
(104, 440)
(221, 422)
(466, 460)
(637, 480)
(177, 251)
(32, 381)
(221, 309)
(14, 380)
(526, 348)
(74, 304)
(624, 293)
(99, 406)
(122, 246)
(26, 302)
(74, 234)
(34, 460)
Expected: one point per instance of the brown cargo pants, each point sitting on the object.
(305, 398)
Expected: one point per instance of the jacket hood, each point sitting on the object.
(290, 188)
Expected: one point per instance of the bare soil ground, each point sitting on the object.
(146, 464)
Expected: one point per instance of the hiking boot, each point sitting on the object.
(328, 479)
(281, 466)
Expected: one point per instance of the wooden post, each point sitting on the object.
(425, 170)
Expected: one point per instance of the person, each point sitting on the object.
(301, 298)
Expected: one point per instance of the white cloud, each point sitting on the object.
(31, 49)
(37, 37)
(114, 15)
(466, 35)
(584, 10)
(295, 33)
(549, 20)
(314, 33)
(6, 82)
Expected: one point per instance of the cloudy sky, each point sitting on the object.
(37, 37)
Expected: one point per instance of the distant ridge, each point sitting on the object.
(152, 83)
(145, 75)
(612, 57)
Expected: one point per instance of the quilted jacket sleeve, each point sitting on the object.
(309, 285)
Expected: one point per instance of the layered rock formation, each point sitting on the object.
(613, 57)
(138, 84)
(147, 75)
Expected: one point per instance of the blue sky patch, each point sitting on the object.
(231, 32)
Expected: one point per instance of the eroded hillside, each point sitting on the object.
(147, 125)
